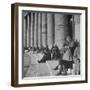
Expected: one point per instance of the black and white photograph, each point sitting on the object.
(49, 44)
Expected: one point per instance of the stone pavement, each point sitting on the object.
(35, 69)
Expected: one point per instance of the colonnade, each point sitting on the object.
(42, 29)
(38, 30)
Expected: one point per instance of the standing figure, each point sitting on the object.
(76, 60)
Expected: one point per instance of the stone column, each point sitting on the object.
(50, 29)
(28, 31)
(25, 32)
(77, 27)
(61, 29)
(32, 29)
(44, 29)
(40, 30)
(35, 31)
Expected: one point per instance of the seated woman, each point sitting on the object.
(46, 56)
(66, 62)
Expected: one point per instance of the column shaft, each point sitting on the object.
(61, 29)
(36, 30)
(44, 29)
(28, 31)
(77, 27)
(39, 30)
(50, 30)
(25, 32)
(32, 29)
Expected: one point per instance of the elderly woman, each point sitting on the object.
(66, 62)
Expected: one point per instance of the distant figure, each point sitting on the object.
(47, 55)
(76, 60)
